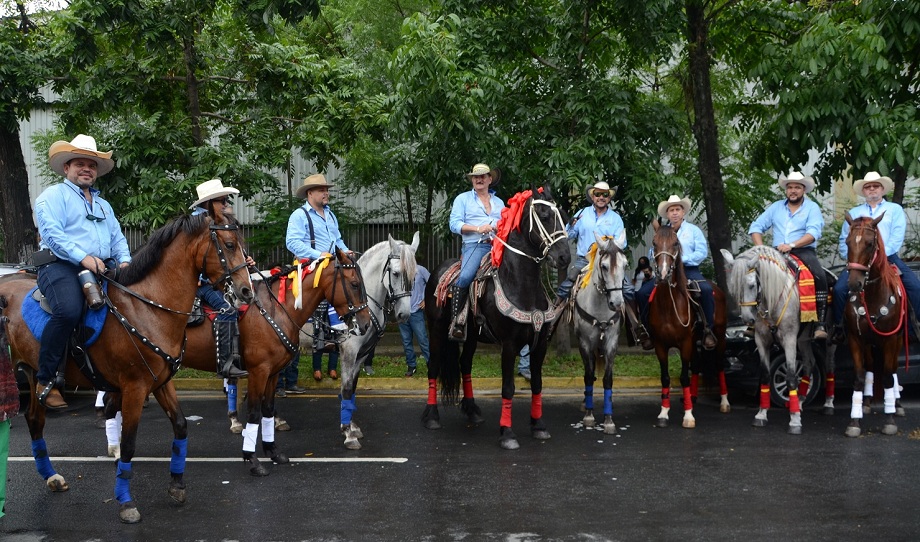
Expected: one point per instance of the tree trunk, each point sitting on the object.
(19, 233)
(707, 137)
(899, 176)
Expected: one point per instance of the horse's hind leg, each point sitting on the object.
(662, 353)
(269, 448)
(589, 360)
(35, 419)
(132, 405)
(610, 428)
(232, 406)
(890, 382)
(169, 402)
(898, 407)
(350, 362)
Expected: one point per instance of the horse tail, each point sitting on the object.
(450, 376)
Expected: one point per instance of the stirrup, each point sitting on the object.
(709, 335)
(820, 333)
(457, 331)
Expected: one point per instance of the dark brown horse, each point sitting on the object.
(141, 344)
(674, 323)
(514, 310)
(875, 317)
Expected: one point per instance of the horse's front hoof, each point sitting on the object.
(795, 430)
(867, 409)
(280, 458)
(128, 513)
(828, 411)
(540, 434)
(688, 423)
(57, 484)
(472, 411)
(431, 418)
(258, 470)
(281, 424)
(588, 420)
(890, 428)
(900, 412)
(661, 422)
(352, 443)
(235, 426)
(725, 408)
(853, 429)
(610, 428)
(355, 430)
(508, 440)
(177, 493)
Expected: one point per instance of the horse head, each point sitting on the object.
(399, 276)
(610, 269)
(865, 250)
(544, 228)
(226, 264)
(743, 284)
(347, 294)
(667, 254)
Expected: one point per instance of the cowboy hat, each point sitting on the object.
(82, 146)
(212, 189)
(480, 169)
(317, 180)
(874, 177)
(673, 200)
(600, 185)
(796, 177)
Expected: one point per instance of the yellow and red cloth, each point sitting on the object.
(296, 277)
(808, 304)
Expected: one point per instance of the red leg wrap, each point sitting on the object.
(688, 399)
(803, 386)
(666, 397)
(723, 387)
(506, 413)
(793, 402)
(432, 391)
(468, 386)
(694, 385)
(536, 406)
(765, 397)
(829, 385)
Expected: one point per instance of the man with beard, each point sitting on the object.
(797, 224)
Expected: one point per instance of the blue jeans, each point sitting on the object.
(414, 326)
(908, 278)
(318, 360)
(287, 378)
(707, 301)
(524, 362)
(216, 300)
(470, 257)
(59, 282)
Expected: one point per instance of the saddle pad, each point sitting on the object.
(36, 317)
(808, 304)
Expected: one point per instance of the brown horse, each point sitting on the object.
(141, 344)
(674, 323)
(876, 315)
(269, 338)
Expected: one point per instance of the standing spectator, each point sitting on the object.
(9, 407)
(643, 273)
(415, 325)
(287, 379)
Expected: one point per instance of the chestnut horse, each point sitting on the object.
(514, 310)
(875, 317)
(141, 344)
(674, 323)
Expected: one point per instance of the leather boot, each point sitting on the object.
(639, 331)
(820, 331)
(227, 337)
(709, 339)
(458, 314)
(49, 397)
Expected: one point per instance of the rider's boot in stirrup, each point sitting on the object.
(227, 337)
(458, 313)
(820, 330)
(639, 331)
(709, 339)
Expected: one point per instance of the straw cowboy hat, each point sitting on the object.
(874, 177)
(212, 189)
(673, 200)
(796, 177)
(317, 180)
(600, 185)
(82, 146)
(484, 169)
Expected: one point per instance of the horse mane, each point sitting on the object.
(150, 255)
(772, 270)
(888, 275)
(667, 236)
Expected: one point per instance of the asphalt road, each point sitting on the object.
(724, 480)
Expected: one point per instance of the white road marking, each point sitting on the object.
(105, 459)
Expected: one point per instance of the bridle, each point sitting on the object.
(353, 307)
(673, 255)
(758, 301)
(547, 238)
(226, 278)
(865, 269)
(387, 279)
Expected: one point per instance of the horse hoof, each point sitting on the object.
(177, 493)
(355, 430)
(725, 409)
(828, 411)
(352, 443)
(661, 422)
(795, 430)
(258, 470)
(853, 431)
(509, 444)
(688, 424)
(589, 421)
(281, 424)
(867, 410)
(280, 458)
(759, 422)
(900, 412)
(236, 427)
(541, 434)
(889, 429)
(129, 514)
(432, 424)
(114, 450)
(610, 429)
(57, 484)
(472, 411)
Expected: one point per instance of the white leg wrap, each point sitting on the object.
(897, 387)
(268, 430)
(870, 382)
(99, 403)
(856, 407)
(889, 400)
(113, 430)
(250, 434)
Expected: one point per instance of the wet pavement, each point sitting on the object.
(724, 480)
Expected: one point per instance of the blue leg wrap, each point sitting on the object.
(589, 397)
(123, 476)
(42, 461)
(608, 402)
(348, 409)
(231, 397)
(179, 451)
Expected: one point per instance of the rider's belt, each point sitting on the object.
(43, 257)
(691, 268)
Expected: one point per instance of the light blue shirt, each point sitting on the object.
(325, 230)
(61, 215)
(693, 245)
(891, 228)
(467, 209)
(418, 288)
(787, 226)
(589, 223)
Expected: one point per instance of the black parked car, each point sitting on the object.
(742, 364)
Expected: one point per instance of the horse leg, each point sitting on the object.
(869, 388)
(251, 431)
(538, 428)
(35, 419)
(351, 364)
(438, 347)
(792, 384)
(889, 382)
(763, 337)
(689, 422)
(898, 408)
(856, 406)
(169, 402)
(232, 409)
(662, 353)
(113, 423)
(610, 427)
(132, 405)
(589, 360)
(468, 404)
(507, 438)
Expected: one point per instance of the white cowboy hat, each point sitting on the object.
(874, 177)
(797, 177)
(212, 189)
(317, 180)
(479, 169)
(673, 200)
(600, 185)
(82, 146)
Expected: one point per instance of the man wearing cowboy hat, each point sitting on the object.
(312, 232)
(78, 231)
(693, 249)
(892, 229)
(474, 216)
(599, 219)
(797, 224)
(226, 323)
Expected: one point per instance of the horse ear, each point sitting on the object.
(415, 241)
(655, 224)
(879, 219)
(392, 242)
(848, 218)
(729, 259)
(621, 240)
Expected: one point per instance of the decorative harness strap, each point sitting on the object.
(536, 318)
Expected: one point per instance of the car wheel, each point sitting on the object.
(779, 392)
